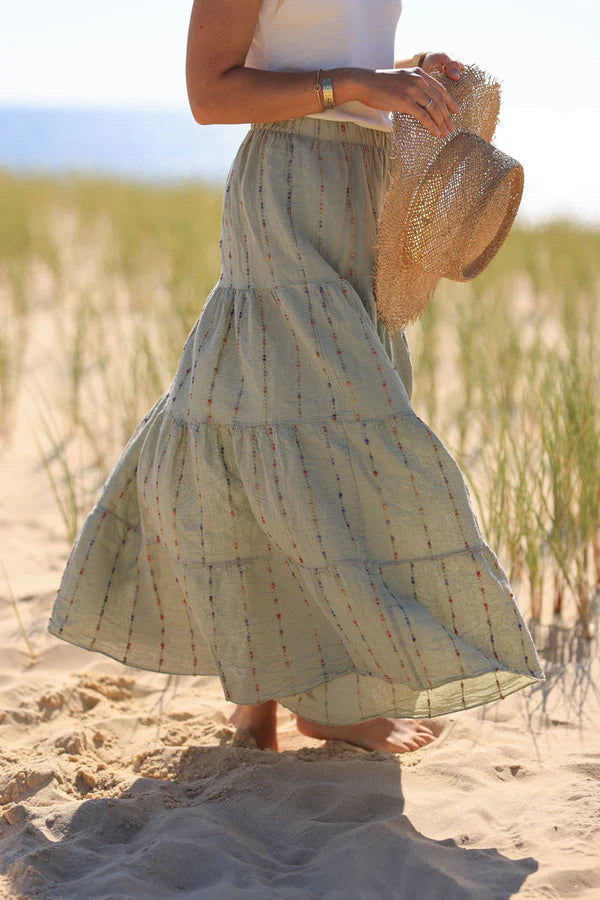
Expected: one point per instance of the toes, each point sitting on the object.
(414, 742)
(436, 726)
(407, 744)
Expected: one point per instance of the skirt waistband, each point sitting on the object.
(329, 130)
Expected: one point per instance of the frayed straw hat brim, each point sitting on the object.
(450, 204)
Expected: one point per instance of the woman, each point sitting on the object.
(282, 517)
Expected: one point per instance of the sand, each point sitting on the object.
(121, 783)
(116, 782)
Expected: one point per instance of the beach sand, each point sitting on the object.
(121, 783)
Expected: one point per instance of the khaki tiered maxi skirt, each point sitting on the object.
(281, 517)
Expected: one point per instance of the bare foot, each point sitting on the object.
(260, 720)
(394, 735)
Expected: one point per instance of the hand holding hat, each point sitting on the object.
(434, 61)
(450, 204)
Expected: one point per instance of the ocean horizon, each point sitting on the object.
(146, 144)
(166, 145)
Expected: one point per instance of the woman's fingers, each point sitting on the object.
(451, 66)
(453, 70)
(432, 95)
(441, 105)
(440, 90)
(433, 104)
(415, 92)
(425, 118)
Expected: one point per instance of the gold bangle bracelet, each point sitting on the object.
(328, 93)
(319, 90)
(418, 59)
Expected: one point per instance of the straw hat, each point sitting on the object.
(450, 202)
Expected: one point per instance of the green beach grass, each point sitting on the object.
(506, 367)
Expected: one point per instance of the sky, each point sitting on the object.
(544, 52)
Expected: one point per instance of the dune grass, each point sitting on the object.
(506, 367)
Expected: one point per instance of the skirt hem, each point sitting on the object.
(518, 682)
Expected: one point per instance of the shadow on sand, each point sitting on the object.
(231, 822)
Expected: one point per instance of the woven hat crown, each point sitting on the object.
(450, 203)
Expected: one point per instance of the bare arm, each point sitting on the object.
(221, 89)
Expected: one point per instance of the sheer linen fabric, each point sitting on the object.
(282, 517)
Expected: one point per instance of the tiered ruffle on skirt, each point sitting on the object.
(281, 517)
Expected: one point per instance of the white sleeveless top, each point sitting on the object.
(305, 34)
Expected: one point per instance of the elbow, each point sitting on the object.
(201, 100)
(207, 113)
(201, 111)
(206, 93)
(202, 115)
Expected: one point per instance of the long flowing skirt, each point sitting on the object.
(281, 517)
